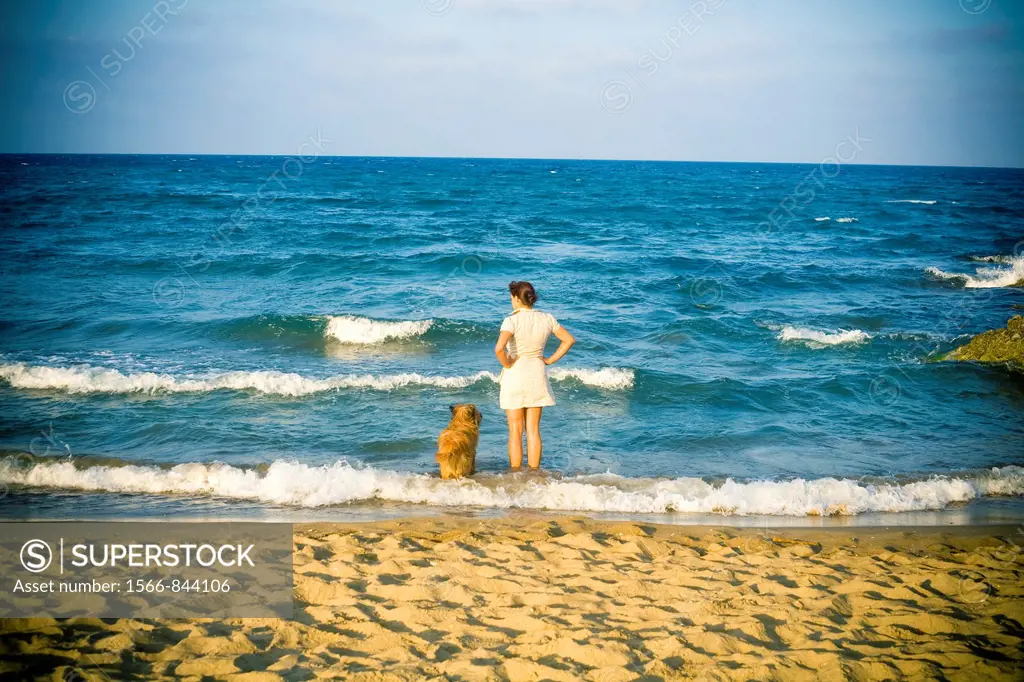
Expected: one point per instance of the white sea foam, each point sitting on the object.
(612, 378)
(88, 379)
(296, 484)
(819, 339)
(362, 330)
(988, 278)
(838, 220)
(822, 219)
(912, 201)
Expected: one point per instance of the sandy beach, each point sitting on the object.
(531, 597)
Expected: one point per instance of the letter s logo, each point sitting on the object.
(36, 556)
(79, 97)
(616, 97)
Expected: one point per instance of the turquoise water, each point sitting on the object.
(212, 335)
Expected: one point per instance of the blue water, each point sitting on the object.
(750, 355)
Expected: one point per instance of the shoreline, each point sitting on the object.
(568, 598)
(290, 491)
(31, 505)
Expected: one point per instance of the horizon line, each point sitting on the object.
(513, 158)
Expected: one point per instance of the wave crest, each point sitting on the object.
(296, 484)
(988, 278)
(613, 378)
(351, 329)
(992, 259)
(819, 339)
(87, 379)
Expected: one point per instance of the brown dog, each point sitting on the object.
(456, 446)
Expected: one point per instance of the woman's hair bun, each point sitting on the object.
(524, 291)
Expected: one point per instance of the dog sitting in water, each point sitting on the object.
(456, 446)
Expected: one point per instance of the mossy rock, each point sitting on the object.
(998, 345)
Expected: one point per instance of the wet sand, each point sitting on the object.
(531, 597)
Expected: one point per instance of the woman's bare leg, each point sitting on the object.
(534, 446)
(516, 420)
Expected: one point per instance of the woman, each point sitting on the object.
(525, 390)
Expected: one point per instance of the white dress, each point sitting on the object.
(525, 384)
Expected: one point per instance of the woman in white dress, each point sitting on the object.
(525, 390)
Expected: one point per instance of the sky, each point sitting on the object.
(929, 82)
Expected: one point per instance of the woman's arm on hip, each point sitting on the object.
(567, 340)
(501, 353)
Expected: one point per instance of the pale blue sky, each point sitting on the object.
(927, 81)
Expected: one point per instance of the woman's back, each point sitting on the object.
(530, 331)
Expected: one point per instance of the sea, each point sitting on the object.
(280, 338)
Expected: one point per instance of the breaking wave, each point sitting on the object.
(820, 339)
(362, 330)
(301, 485)
(988, 277)
(88, 379)
(318, 331)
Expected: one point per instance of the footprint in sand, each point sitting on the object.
(973, 588)
(758, 543)
(449, 582)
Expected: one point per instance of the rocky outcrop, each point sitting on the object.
(998, 345)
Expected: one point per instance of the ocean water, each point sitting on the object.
(270, 337)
